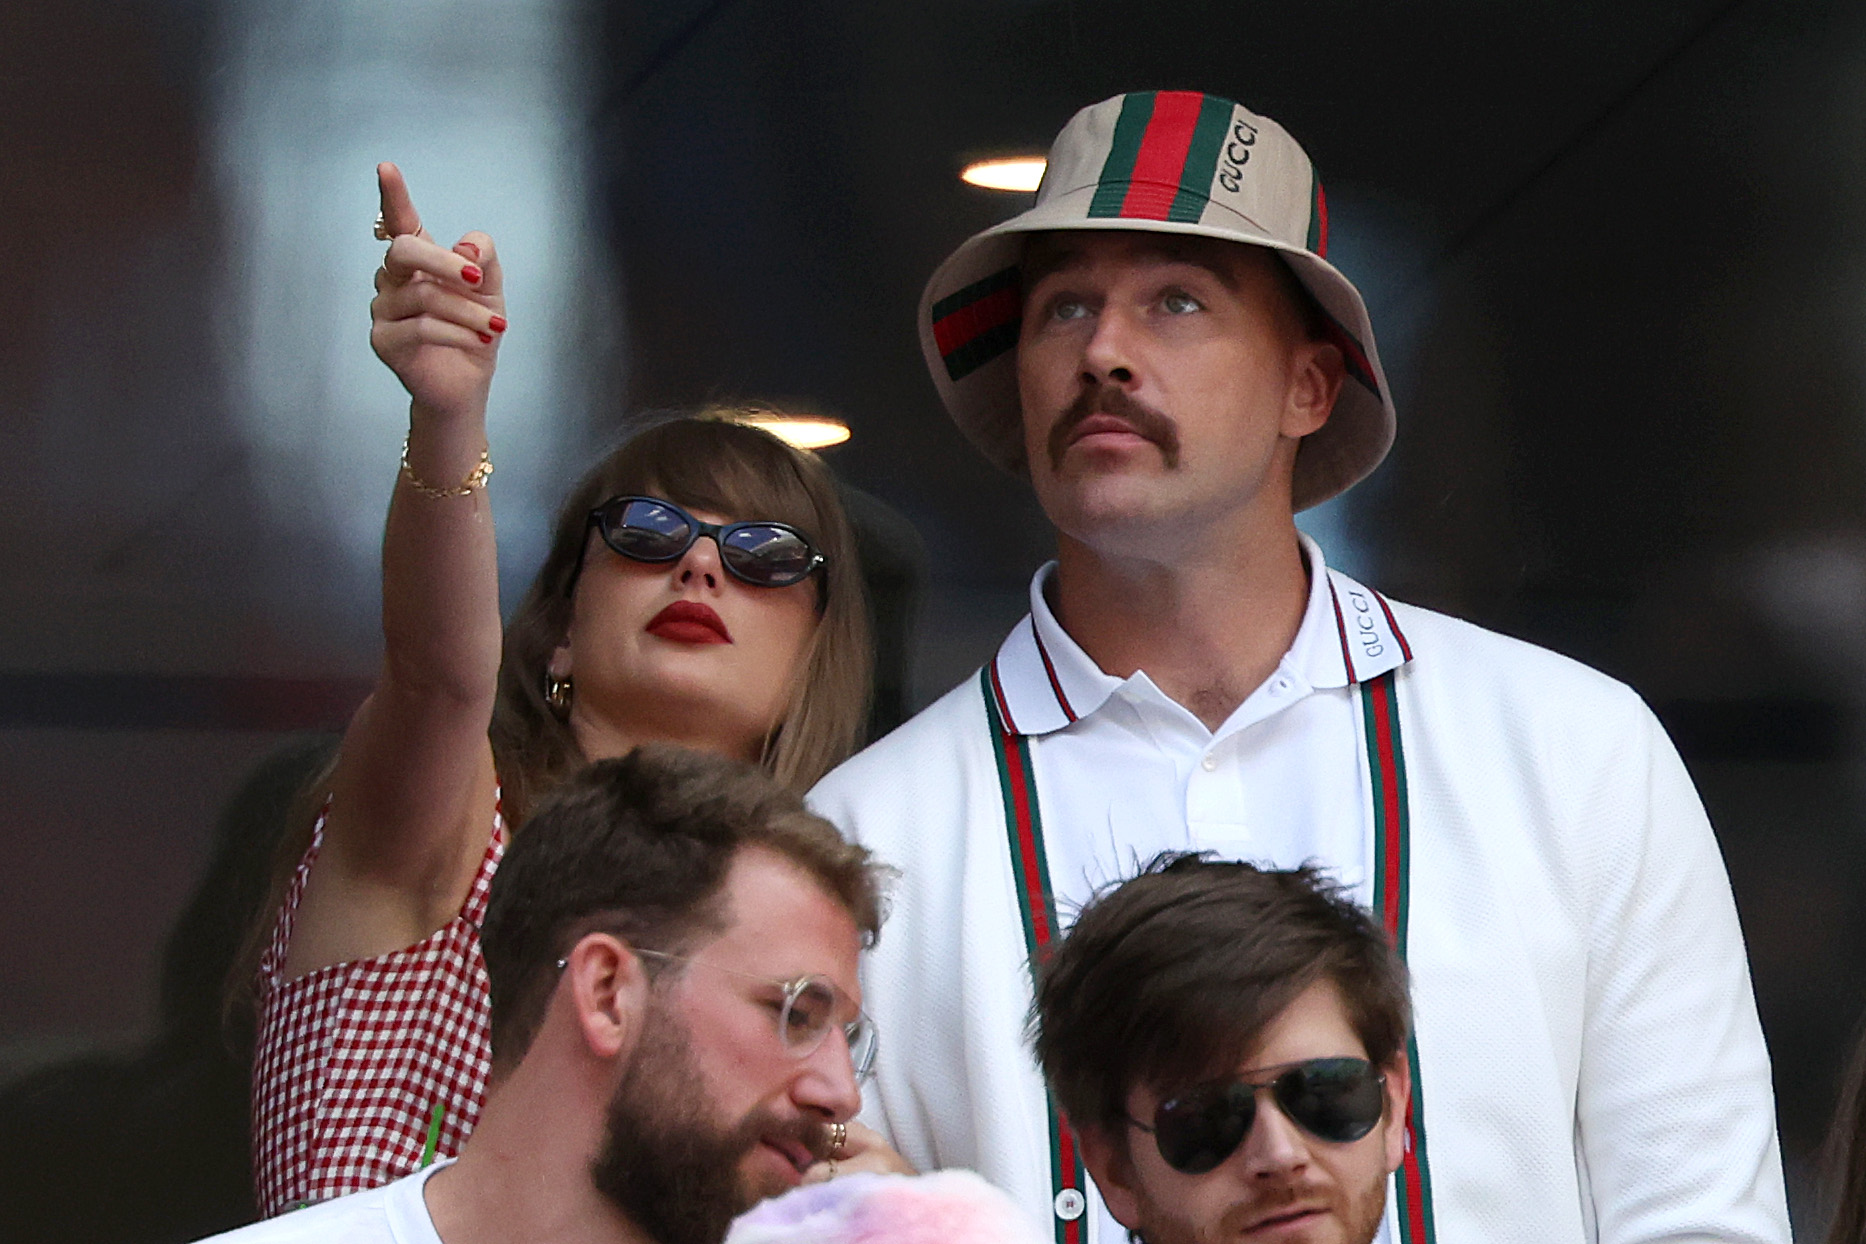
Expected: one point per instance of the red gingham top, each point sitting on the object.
(353, 1058)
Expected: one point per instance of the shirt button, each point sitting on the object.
(1209, 763)
(1280, 685)
(1070, 1204)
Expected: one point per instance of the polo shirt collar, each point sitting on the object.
(1044, 681)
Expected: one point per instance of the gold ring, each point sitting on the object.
(838, 1137)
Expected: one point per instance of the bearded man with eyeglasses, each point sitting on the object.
(671, 944)
(1161, 346)
(1230, 1045)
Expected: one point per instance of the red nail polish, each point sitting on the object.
(468, 246)
(471, 275)
(486, 337)
(496, 323)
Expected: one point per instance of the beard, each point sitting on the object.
(664, 1163)
(1357, 1216)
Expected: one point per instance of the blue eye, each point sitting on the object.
(1069, 309)
(1180, 303)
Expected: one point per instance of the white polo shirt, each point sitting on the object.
(1279, 783)
(1590, 1065)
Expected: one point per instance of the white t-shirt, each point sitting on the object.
(395, 1213)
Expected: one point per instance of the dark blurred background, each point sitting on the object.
(1613, 252)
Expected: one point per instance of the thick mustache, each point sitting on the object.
(1110, 399)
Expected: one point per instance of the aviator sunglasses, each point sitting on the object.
(648, 529)
(1333, 1099)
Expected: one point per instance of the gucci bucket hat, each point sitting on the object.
(1166, 162)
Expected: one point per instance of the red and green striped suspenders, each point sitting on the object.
(1386, 760)
(1037, 905)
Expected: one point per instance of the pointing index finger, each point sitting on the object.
(398, 209)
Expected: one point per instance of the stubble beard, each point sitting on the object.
(1359, 1218)
(664, 1163)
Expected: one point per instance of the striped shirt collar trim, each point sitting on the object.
(1043, 681)
(1368, 636)
(1042, 678)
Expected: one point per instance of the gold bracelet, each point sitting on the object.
(475, 480)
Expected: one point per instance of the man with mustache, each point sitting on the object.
(671, 943)
(1161, 347)
(1257, 1084)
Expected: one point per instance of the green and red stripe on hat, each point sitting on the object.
(1159, 161)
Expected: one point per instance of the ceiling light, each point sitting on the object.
(1012, 173)
(802, 431)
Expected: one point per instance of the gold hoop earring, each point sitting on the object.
(557, 695)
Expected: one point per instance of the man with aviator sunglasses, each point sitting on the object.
(671, 947)
(1229, 1044)
(1161, 347)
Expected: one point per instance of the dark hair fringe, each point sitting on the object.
(1170, 978)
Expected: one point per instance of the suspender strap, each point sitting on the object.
(1386, 762)
(1037, 905)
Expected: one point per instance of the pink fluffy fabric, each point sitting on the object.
(949, 1207)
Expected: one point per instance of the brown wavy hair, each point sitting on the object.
(710, 461)
(1170, 977)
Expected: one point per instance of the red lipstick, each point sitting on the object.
(689, 622)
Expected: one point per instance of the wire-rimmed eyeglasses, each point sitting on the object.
(806, 1009)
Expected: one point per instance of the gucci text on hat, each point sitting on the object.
(1164, 162)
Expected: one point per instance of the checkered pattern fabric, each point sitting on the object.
(356, 1060)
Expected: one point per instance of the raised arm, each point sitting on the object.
(412, 794)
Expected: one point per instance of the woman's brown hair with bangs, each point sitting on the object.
(707, 461)
(715, 462)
